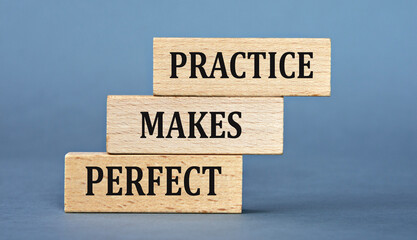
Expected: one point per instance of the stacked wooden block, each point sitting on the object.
(181, 150)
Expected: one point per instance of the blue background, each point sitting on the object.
(350, 161)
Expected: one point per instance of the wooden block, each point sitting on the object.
(194, 125)
(100, 182)
(241, 66)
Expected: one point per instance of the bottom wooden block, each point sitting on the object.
(100, 182)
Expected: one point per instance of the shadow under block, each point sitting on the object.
(140, 183)
(194, 125)
(241, 66)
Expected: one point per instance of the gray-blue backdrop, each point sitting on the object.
(350, 161)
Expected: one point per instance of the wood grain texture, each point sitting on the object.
(261, 125)
(318, 85)
(228, 184)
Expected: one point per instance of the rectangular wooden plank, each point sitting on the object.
(100, 182)
(194, 125)
(241, 66)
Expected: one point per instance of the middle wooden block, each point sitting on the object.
(194, 125)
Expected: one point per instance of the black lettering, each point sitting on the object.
(212, 183)
(152, 179)
(150, 126)
(233, 65)
(222, 68)
(197, 124)
(234, 124)
(303, 64)
(170, 180)
(272, 65)
(214, 125)
(174, 64)
(282, 65)
(110, 180)
(187, 181)
(90, 180)
(256, 62)
(130, 181)
(176, 119)
(194, 64)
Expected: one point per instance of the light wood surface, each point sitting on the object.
(165, 49)
(227, 184)
(261, 123)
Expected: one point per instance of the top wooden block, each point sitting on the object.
(241, 66)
